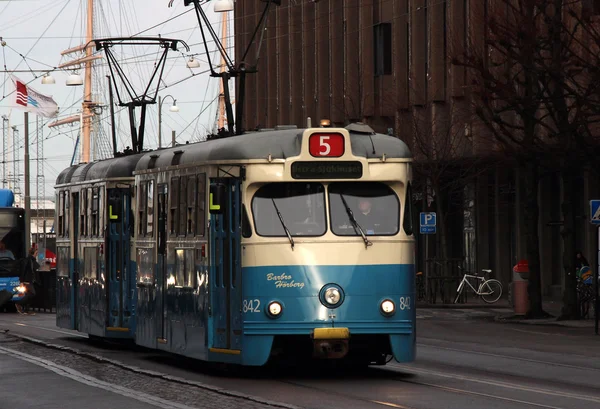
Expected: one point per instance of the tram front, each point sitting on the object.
(328, 251)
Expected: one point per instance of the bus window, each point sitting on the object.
(374, 205)
(301, 205)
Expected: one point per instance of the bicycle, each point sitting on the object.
(489, 290)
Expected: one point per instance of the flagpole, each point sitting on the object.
(27, 193)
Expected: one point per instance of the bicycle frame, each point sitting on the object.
(465, 279)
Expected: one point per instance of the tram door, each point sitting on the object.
(76, 264)
(161, 305)
(225, 263)
(120, 281)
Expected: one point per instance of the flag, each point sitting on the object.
(30, 100)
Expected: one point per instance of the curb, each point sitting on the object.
(458, 306)
(154, 374)
(542, 321)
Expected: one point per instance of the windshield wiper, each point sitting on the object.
(355, 223)
(283, 224)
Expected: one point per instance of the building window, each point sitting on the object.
(591, 7)
(382, 48)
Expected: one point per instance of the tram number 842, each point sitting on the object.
(251, 306)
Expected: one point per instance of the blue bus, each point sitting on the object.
(13, 253)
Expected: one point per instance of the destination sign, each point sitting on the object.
(327, 170)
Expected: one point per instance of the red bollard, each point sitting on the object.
(520, 281)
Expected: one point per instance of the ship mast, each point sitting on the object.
(87, 97)
(87, 105)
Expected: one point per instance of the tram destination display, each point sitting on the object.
(327, 170)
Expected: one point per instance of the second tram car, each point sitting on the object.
(274, 243)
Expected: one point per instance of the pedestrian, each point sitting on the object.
(580, 260)
(28, 279)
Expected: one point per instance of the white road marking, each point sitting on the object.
(91, 381)
(499, 384)
(20, 324)
(536, 361)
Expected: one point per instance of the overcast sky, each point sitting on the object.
(41, 29)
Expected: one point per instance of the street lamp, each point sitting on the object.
(48, 79)
(174, 108)
(193, 63)
(223, 6)
(240, 68)
(74, 80)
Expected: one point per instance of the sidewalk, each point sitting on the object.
(503, 312)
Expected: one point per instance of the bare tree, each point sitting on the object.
(536, 90)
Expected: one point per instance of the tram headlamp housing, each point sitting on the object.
(331, 296)
(274, 309)
(387, 307)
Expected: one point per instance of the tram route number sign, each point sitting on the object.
(326, 145)
(428, 222)
(327, 170)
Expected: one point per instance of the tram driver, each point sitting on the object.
(366, 218)
(5, 253)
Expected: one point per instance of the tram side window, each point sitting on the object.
(184, 268)
(145, 265)
(191, 206)
(67, 214)
(174, 198)
(90, 258)
(83, 213)
(61, 213)
(62, 261)
(101, 212)
(150, 211)
(182, 208)
(95, 219)
(301, 205)
(374, 205)
(142, 208)
(201, 218)
(407, 223)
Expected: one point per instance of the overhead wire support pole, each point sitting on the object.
(235, 128)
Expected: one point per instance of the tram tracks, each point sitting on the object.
(439, 378)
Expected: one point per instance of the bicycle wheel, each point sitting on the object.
(491, 291)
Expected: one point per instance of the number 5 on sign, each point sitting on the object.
(329, 145)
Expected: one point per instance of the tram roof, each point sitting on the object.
(280, 144)
(105, 169)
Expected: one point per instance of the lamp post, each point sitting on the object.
(240, 68)
(174, 108)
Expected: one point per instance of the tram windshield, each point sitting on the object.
(374, 205)
(12, 240)
(301, 205)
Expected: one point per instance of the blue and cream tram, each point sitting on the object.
(281, 242)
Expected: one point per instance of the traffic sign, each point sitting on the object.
(428, 223)
(595, 211)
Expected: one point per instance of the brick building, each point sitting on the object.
(389, 63)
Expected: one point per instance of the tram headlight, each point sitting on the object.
(387, 307)
(274, 309)
(20, 289)
(332, 296)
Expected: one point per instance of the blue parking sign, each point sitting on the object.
(428, 223)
